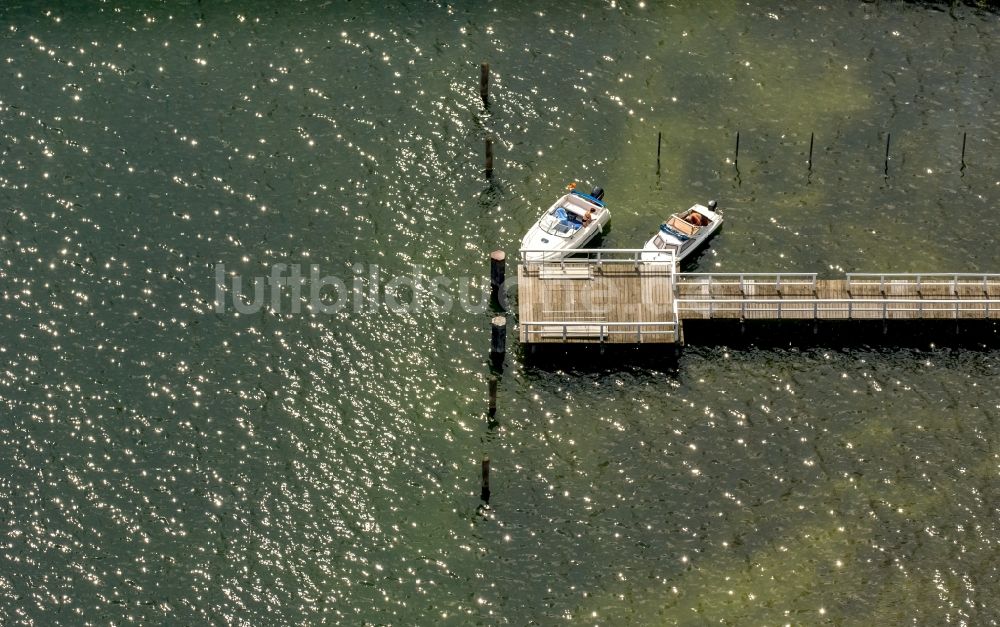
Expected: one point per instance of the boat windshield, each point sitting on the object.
(660, 243)
(557, 222)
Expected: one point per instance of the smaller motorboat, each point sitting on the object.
(569, 224)
(683, 232)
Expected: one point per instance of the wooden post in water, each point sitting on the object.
(498, 337)
(736, 156)
(485, 492)
(493, 396)
(659, 136)
(484, 83)
(812, 136)
(498, 273)
(963, 150)
(888, 137)
(489, 158)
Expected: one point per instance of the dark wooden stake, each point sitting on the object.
(963, 149)
(484, 83)
(888, 138)
(493, 396)
(498, 337)
(659, 136)
(498, 273)
(812, 136)
(489, 158)
(485, 493)
(736, 157)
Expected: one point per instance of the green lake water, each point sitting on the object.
(168, 463)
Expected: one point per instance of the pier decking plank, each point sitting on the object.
(559, 306)
(619, 295)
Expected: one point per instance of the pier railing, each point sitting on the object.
(598, 257)
(920, 280)
(600, 331)
(743, 280)
(832, 308)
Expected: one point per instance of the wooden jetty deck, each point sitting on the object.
(601, 297)
(859, 296)
(613, 296)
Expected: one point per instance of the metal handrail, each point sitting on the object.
(606, 328)
(594, 323)
(880, 301)
(920, 278)
(781, 279)
(806, 274)
(576, 251)
(597, 256)
(853, 305)
(935, 274)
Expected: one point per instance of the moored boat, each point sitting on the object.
(683, 233)
(570, 223)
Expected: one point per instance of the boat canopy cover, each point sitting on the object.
(589, 197)
(666, 229)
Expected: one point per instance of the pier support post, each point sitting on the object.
(498, 274)
(484, 83)
(888, 138)
(489, 158)
(659, 136)
(736, 154)
(493, 396)
(964, 135)
(484, 494)
(498, 338)
(812, 137)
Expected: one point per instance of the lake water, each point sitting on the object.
(167, 463)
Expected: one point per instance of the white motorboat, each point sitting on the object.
(683, 232)
(570, 223)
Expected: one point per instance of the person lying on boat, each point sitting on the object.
(697, 219)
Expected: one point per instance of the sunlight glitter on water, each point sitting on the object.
(168, 464)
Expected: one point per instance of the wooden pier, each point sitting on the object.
(597, 296)
(617, 296)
